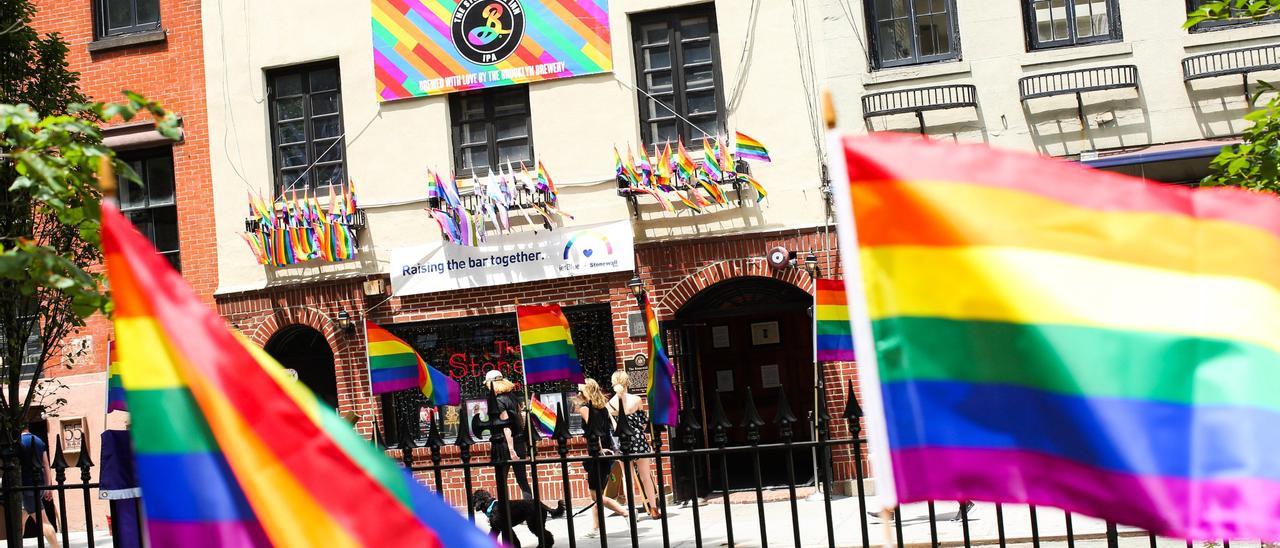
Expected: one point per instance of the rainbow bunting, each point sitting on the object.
(835, 338)
(546, 345)
(115, 388)
(664, 405)
(543, 417)
(1055, 335)
(749, 148)
(394, 366)
(232, 452)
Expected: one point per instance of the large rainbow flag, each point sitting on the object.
(414, 52)
(664, 404)
(835, 337)
(546, 345)
(230, 451)
(1049, 334)
(115, 388)
(395, 366)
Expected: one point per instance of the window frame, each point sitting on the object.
(1210, 26)
(174, 256)
(1115, 32)
(490, 119)
(309, 140)
(873, 30)
(101, 27)
(679, 87)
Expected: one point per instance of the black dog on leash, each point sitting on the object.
(532, 514)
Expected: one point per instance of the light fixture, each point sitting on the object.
(811, 263)
(344, 322)
(636, 285)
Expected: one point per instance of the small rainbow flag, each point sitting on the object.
(229, 450)
(688, 169)
(835, 338)
(115, 388)
(664, 404)
(544, 418)
(759, 188)
(546, 345)
(1056, 335)
(394, 366)
(749, 148)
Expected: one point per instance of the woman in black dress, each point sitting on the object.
(511, 408)
(591, 406)
(638, 420)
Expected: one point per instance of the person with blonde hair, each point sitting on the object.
(511, 408)
(592, 408)
(638, 419)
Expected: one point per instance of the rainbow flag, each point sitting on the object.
(546, 345)
(1060, 336)
(749, 148)
(664, 404)
(710, 161)
(544, 418)
(684, 162)
(115, 388)
(759, 188)
(835, 338)
(230, 451)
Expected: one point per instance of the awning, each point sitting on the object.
(1199, 150)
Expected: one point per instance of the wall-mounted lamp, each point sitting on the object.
(636, 285)
(344, 322)
(811, 264)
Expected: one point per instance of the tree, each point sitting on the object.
(49, 210)
(1255, 162)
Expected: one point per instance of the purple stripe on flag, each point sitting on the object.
(560, 374)
(836, 355)
(202, 534)
(1199, 509)
(394, 385)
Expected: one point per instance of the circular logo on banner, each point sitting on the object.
(488, 31)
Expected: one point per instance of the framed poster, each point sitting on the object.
(769, 377)
(720, 336)
(765, 333)
(724, 380)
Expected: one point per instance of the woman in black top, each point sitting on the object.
(511, 407)
(599, 425)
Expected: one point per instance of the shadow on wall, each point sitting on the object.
(1115, 121)
(1220, 107)
(740, 211)
(959, 125)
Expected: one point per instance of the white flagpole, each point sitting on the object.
(860, 320)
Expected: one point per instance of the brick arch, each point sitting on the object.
(728, 269)
(280, 318)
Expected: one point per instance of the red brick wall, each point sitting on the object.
(171, 73)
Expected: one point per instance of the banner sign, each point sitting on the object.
(432, 47)
(524, 257)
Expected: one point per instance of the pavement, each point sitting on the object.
(847, 527)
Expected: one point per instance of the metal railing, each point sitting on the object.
(1242, 62)
(919, 100)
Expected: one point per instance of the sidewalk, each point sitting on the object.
(847, 526)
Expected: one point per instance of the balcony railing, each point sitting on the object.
(919, 100)
(1078, 82)
(1232, 62)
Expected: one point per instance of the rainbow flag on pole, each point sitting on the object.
(230, 451)
(115, 388)
(544, 418)
(835, 337)
(394, 366)
(748, 148)
(1055, 335)
(546, 345)
(664, 405)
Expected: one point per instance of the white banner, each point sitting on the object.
(514, 258)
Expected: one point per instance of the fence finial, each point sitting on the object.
(828, 109)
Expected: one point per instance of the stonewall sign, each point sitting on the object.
(524, 257)
(432, 47)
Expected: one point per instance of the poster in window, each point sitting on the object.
(724, 380)
(765, 333)
(432, 47)
(769, 377)
(720, 336)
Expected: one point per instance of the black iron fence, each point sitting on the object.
(693, 446)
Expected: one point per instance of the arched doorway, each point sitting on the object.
(306, 351)
(757, 333)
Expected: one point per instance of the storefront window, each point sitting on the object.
(466, 348)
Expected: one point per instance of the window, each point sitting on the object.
(678, 73)
(31, 351)
(910, 32)
(1240, 18)
(490, 129)
(151, 207)
(1058, 23)
(306, 127)
(118, 17)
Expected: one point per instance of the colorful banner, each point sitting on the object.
(433, 47)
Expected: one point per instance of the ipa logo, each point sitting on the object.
(487, 31)
(587, 244)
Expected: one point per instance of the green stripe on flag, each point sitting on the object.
(179, 425)
(551, 348)
(1078, 360)
(393, 361)
(840, 327)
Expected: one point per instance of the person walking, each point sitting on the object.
(593, 408)
(625, 403)
(34, 459)
(511, 408)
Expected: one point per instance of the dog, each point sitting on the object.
(532, 514)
